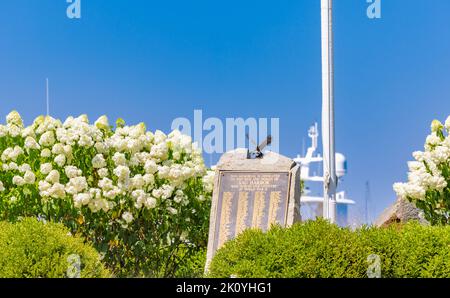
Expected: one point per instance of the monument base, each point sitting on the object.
(252, 193)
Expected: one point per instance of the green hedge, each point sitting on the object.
(320, 249)
(193, 266)
(30, 248)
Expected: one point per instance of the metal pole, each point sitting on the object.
(329, 171)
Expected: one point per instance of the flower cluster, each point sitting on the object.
(82, 172)
(429, 175)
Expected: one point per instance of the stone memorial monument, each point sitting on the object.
(252, 192)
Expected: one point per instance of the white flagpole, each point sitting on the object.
(329, 171)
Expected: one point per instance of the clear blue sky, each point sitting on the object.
(153, 61)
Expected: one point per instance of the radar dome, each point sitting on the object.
(341, 165)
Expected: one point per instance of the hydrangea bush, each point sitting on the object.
(428, 183)
(141, 199)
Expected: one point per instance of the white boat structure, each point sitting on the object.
(312, 204)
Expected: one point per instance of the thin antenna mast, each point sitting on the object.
(303, 147)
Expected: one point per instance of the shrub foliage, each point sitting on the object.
(31, 249)
(141, 198)
(319, 249)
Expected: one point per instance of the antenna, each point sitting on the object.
(47, 96)
(303, 147)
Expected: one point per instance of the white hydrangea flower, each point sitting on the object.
(53, 177)
(46, 168)
(2, 187)
(432, 140)
(28, 132)
(83, 118)
(140, 196)
(101, 147)
(172, 210)
(159, 151)
(106, 184)
(14, 118)
(137, 182)
(149, 179)
(68, 122)
(17, 180)
(176, 155)
(102, 173)
(98, 161)
(208, 181)
(67, 150)
(119, 159)
(29, 177)
(134, 161)
(72, 172)
(6, 153)
(38, 120)
(12, 153)
(86, 141)
(440, 154)
(150, 166)
(179, 196)
(12, 166)
(96, 193)
(163, 172)
(447, 124)
(150, 203)
(159, 137)
(112, 193)
(418, 155)
(57, 191)
(76, 185)
(157, 193)
(44, 186)
(47, 139)
(199, 170)
(24, 167)
(13, 130)
(82, 199)
(102, 122)
(167, 191)
(60, 160)
(3, 131)
(436, 125)
(128, 217)
(137, 130)
(31, 143)
(57, 149)
(122, 172)
(46, 153)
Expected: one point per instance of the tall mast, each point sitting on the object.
(329, 166)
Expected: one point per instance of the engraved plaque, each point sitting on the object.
(250, 200)
(252, 193)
